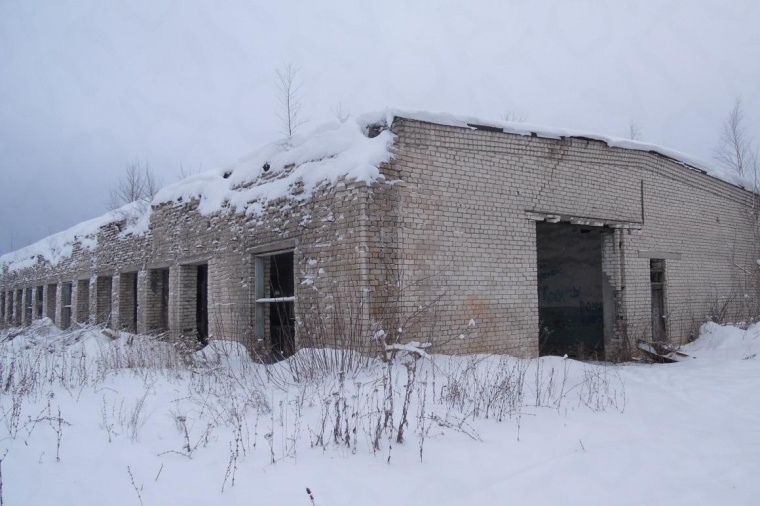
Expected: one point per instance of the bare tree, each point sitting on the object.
(634, 130)
(139, 183)
(185, 172)
(511, 116)
(736, 149)
(340, 112)
(289, 99)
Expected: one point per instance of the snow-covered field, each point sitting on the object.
(89, 420)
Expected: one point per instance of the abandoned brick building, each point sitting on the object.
(474, 236)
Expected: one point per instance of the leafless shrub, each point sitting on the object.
(5, 454)
(134, 485)
(602, 388)
(138, 184)
(340, 112)
(510, 116)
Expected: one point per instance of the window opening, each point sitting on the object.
(128, 301)
(201, 304)
(39, 306)
(83, 300)
(158, 305)
(66, 306)
(28, 306)
(275, 303)
(657, 281)
(103, 299)
(51, 300)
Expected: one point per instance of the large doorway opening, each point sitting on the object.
(571, 296)
(275, 303)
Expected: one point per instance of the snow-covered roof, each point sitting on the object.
(558, 133)
(304, 161)
(325, 154)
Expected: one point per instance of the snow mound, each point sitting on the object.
(220, 351)
(725, 342)
(290, 168)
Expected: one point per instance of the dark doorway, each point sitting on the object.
(201, 304)
(570, 290)
(657, 279)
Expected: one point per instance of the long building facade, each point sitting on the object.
(474, 237)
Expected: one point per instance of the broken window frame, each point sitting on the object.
(261, 301)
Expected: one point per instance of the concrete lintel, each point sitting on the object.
(580, 220)
(659, 255)
(273, 248)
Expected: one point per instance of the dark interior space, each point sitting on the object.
(201, 304)
(159, 300)
(657, 280)
(570, 291)
(66, 306)
(38, 306)
(51, 300)
(282, 308)
(28, 307)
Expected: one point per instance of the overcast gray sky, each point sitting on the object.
(86, 87)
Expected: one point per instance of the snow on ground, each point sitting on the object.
(90, 420)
